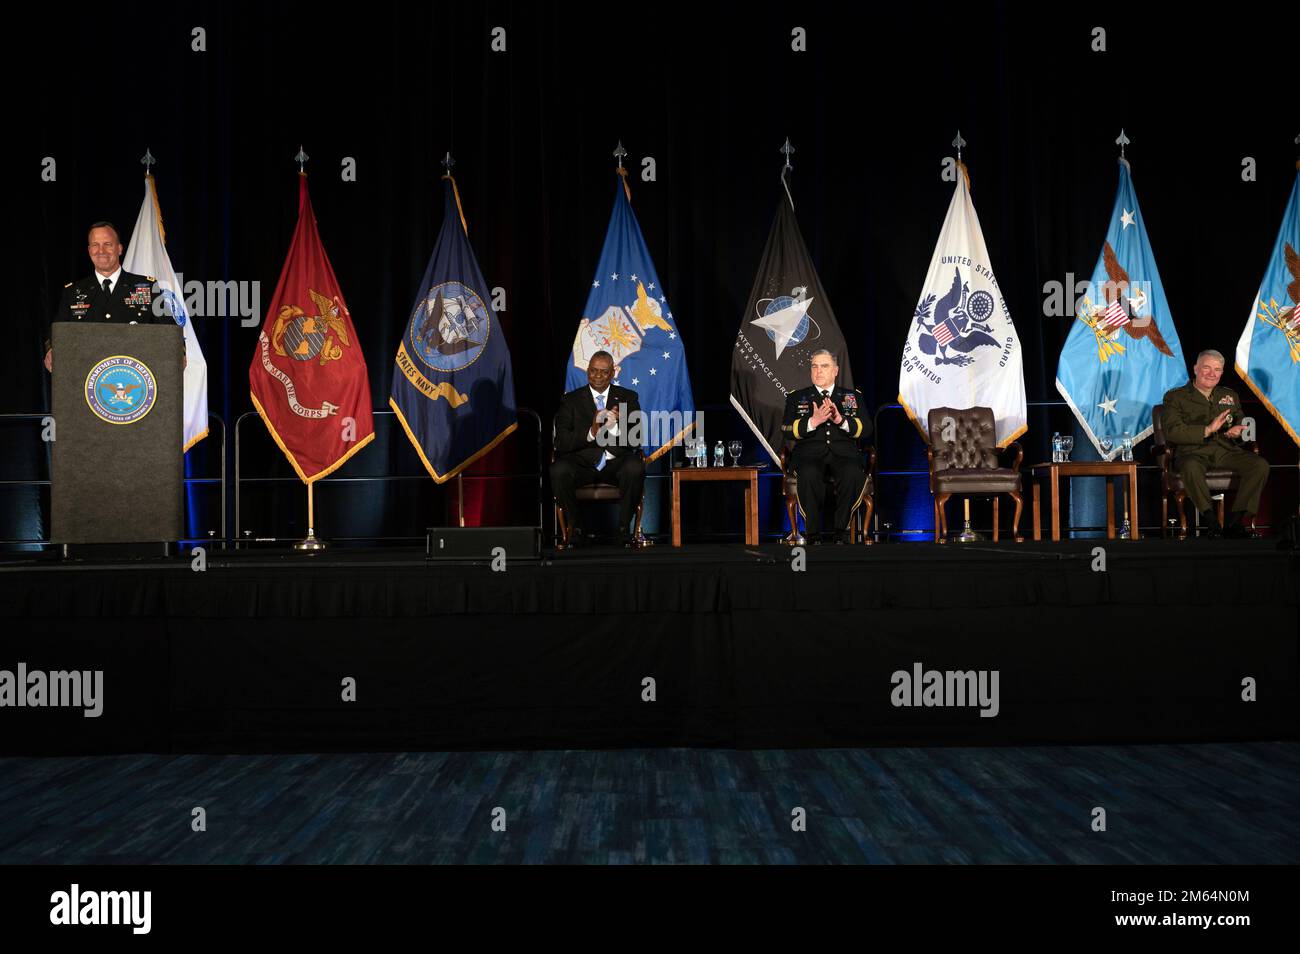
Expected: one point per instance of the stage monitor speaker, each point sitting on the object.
(478, 543)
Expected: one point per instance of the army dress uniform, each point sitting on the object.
(1187, 412)
(129, 303)
(831, 450)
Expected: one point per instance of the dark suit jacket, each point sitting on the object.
(573, 423)
(829, 439)
(131, 301)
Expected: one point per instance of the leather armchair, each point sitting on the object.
(1219, 481)
(963, 459)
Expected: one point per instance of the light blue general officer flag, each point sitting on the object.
(628, 315)
(1122, 353)
(1268, 354)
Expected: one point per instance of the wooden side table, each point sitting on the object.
(1088, 468)
(747, 475)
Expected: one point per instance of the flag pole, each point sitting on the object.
(447, 162)
(787, 150)
(310, 543)
(967, 535)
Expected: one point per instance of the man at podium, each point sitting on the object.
(108, 294)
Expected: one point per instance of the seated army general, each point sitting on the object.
(107, 294)
(826, 423)
(591, 446)
(1203, 423)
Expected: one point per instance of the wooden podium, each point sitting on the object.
(118, 464)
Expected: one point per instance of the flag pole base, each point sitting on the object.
(311, 544)
(968, 535)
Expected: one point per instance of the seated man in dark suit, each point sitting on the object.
(591, 446)
(826, 423)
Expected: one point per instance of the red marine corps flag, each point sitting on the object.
(308, 377)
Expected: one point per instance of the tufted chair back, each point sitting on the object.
(973, 438)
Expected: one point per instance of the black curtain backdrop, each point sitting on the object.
(710, 92)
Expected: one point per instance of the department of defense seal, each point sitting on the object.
(121, 389)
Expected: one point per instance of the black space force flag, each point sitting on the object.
(788, 317)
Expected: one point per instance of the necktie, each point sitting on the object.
(108, 288)
(600, 406)
(826, 394)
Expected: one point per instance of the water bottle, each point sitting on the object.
(1056, 448)
(719, 455)
(1126, 453)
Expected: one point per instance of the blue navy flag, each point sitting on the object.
(627, 315)
(454, 391)
(1268, 352)
(1122, 354)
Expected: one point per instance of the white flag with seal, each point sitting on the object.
(147, 255)
(962, 349)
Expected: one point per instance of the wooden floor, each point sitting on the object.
(1164, 804)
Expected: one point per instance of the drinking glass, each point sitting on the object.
(1067, 445)
(734, 449)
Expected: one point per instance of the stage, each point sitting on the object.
(707, 645)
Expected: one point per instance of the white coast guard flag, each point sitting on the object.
(962, 349)
(147, 255)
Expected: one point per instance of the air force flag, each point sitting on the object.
(147, 255)
(962, 349)
(627, 315)
(1268, 354)
(1122, 354)
(454, 390)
